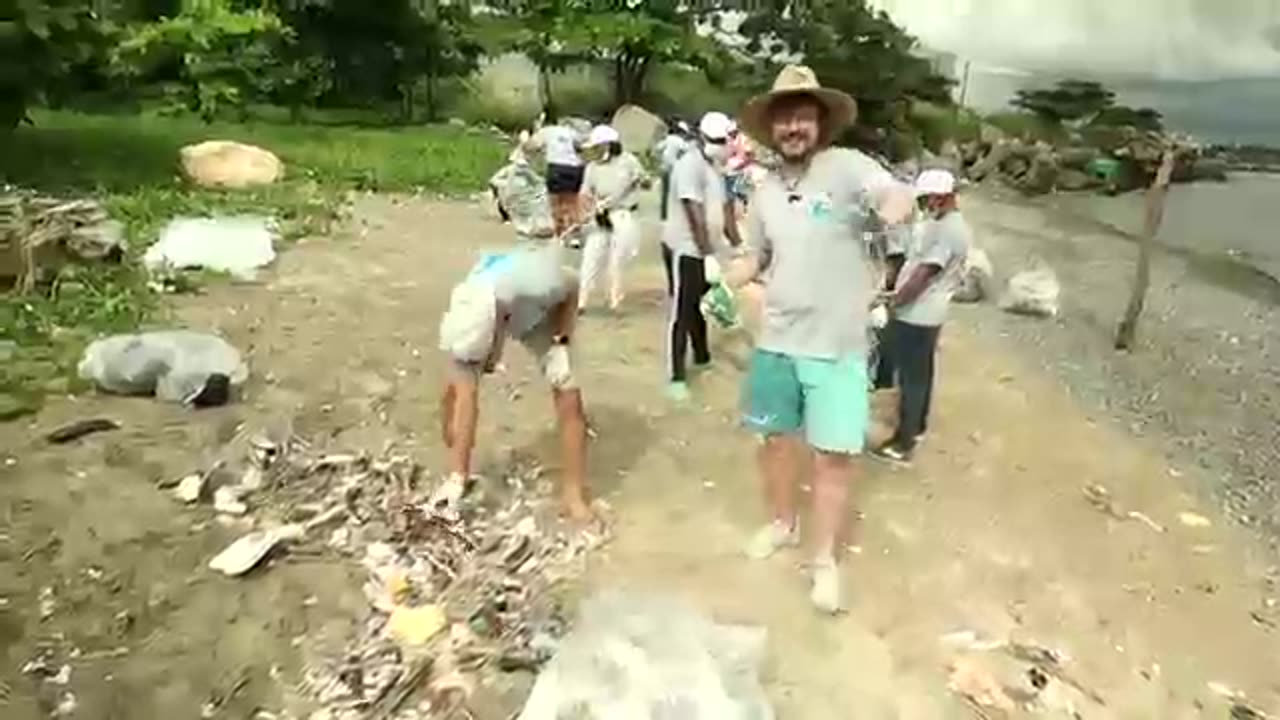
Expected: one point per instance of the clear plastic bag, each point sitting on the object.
(644, 657)
(1033, 292)
(177, 366)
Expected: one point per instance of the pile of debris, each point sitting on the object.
(460, 578)
(1111, 160)
(39, 234)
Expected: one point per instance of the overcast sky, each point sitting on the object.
(1158, 39)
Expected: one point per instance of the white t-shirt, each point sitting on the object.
(615, 182)
(693, 178)
(558, 143)
(944, 243)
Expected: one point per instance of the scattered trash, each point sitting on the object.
(190, 488)
(1225, 691)
(48, 603)
(1032, 292)
(1192, 520)
(41, 235)
(67, 704)
(1240, 711)
(179, 366)
(977, 278)
(237, 245)
(80, 428)
(415, 625)
(226, 500)
(977, 685)
(246, 552)
(1100, 498)
(629, 654)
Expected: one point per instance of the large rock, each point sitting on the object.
(229, 164)
(639, 128)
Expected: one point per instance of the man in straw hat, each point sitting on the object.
(809, 370)
(525, 294)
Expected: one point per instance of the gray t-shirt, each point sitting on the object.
(693, 178)
(944, 243)
(529, 281)
(809, 240)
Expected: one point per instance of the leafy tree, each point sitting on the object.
(1069, 100)
(855, 48)
(1121, 116)
(210, 58)
(630, 37)
(40, 41)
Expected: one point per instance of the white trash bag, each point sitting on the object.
(977, 278)
(238, 245)
(1033, 292)
(637, 657)
(178, 366)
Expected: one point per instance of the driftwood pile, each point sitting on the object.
(38, 234)
(460, 579)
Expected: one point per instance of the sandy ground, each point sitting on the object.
(988, 537)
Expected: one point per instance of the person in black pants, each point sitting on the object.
(697, 183)
(920, 298)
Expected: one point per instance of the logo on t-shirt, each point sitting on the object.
(820, 207)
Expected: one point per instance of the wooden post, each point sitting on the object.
(1126, 334)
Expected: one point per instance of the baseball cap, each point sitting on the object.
(715, 126)
(935, 182)
(603, 135)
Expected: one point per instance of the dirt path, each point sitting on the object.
(989, 533)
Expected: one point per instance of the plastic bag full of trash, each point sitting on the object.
(238, 245)
(1032, 292)
(639, 657)
(178, 365)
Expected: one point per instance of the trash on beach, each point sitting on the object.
(238, 245)
(630, 653)
(248, 550)
(415, 625)
(1032, 292)
(226, 500)
(1194, 520)
(178, 366)
(80, 428)
(971, 680)
(977, 278)
(190, 488)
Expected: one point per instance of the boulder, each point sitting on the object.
(229, 164)
(639, 128)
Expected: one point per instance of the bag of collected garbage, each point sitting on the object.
(976, 279)
(644, 657)
(1032, 292)
(718, 304)
(178, 365)
(238, 245)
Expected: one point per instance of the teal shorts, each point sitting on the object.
(828, 399)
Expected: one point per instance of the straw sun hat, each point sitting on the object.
(842, 109)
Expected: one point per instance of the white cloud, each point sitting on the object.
(1164, 39)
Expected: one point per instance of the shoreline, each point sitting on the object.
(1192, 386)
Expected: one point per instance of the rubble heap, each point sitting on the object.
(460, 579)
(38, 234)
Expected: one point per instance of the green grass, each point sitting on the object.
(130, 164)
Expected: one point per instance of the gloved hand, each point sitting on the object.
(879, 317)
(711, 267)
(556, 367)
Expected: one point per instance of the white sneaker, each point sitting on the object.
(771, 538)
(825, 593)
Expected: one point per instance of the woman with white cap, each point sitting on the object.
(612, 181)
(528, 295)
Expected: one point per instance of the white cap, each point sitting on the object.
(935, 182)
(466, 330)
(715, 126)
(602, 135)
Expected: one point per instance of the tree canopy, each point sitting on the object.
(1069, 100)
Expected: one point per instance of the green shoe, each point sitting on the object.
(678, 392)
